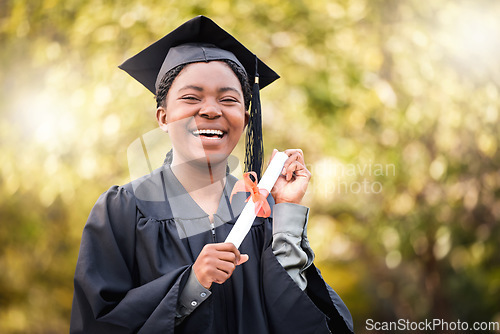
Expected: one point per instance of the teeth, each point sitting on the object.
(208, 132)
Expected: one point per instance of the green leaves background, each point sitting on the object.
(365, 84)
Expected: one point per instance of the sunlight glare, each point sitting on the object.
(472, 35)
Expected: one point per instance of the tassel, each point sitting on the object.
(254, 152)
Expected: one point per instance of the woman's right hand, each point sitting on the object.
(217, 262)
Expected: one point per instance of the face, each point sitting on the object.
(204, 113)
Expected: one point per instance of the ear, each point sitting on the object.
(161, 117)
(247, 117)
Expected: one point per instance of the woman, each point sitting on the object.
(152, 257)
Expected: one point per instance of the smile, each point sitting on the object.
(209, 133)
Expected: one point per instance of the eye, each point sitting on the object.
(189, 98)
(229, 100)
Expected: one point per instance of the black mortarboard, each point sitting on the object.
(201, 39)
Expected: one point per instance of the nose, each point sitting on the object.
(210, 110)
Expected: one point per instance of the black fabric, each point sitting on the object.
(194, 53)
(132, 267)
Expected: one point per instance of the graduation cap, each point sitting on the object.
(201, 40)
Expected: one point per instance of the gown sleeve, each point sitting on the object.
(108, 297)
(290, 245)
(190, 297)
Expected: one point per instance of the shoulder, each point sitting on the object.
(149, 187)
(145, 195)
(150, 194)
(115, 209)
(115, 198)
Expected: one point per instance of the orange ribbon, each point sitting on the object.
(259, 196)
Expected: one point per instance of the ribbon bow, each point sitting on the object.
(259, 196)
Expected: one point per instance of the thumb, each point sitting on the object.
(272, 156)
(243, 258)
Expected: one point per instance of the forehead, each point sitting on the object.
(207, 73)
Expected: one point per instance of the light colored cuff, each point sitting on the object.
(289, 218)
(191, 296)
(290, 244)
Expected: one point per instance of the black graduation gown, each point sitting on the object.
(133, 265)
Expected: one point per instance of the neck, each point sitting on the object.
(197, 175)
(203, 181)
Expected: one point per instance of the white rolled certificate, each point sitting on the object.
(247, 216)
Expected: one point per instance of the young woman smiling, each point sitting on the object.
(152, 256)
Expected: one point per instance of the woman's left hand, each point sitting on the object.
(292, 183)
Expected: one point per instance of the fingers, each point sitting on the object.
(295, 165)
(296, 169)
(295, 154)
(244, 258)
(292, 184)
(224, 268)
(217, 262)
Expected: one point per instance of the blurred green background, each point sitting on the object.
(395, 104)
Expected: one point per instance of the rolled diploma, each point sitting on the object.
(247, 216)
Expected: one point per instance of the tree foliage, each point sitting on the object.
(395, 104)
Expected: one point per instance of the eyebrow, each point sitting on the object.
(220, 90)
(229, 89)
(191, 87)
